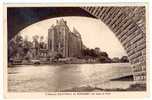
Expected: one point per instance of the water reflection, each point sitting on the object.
(59, 77)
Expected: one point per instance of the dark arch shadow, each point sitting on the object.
(20, 17)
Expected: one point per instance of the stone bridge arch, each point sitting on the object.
(129, 26)
(127, 23)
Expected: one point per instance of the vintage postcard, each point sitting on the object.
(76, 50)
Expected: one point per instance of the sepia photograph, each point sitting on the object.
(75, 49)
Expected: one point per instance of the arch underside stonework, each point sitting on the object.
(129, 26)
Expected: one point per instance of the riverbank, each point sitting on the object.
(133, 87)
(15, 65)
(71, 60)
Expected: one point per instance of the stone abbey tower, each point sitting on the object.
(63, 41)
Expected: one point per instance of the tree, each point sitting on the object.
(58, 55)
(19, 38)
(12, 48)
(124, 59)
(104, 54)
(27, 47)
(19, 46)
(115, 60)
(42, 44)
(41, 39)
(36, 44)
(93, 53)
(16, 47)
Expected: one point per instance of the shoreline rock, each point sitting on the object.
(125, 78)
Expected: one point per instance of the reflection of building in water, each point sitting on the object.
(62, 41)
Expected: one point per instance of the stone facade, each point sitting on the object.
(62, 41)
(129, 25)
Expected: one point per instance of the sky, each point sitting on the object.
(94, 33)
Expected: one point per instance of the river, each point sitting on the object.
(51, 78)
